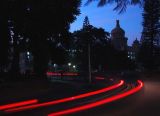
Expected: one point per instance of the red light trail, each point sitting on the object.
(17, 104)
(100, 102)
(53, 74)
(62, 74)
(66, 99)
(100, 78)
(70, 74)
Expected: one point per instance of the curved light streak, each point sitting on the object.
(100, 102)
(17, 104)
(66, 99)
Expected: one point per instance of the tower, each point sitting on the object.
(118, 39)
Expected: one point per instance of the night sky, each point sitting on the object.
(105, 17)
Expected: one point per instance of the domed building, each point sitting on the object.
(118, 39)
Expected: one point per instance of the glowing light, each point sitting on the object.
(28, 53)
(55, 65)
(66, 99)
(69, 64)
(74, 66)
(100, 102)
(17, 104)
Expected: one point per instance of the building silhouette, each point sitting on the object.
(118, 39)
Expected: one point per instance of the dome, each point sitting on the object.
(136, 41)
(118, 31)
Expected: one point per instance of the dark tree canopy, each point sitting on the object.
(121, 5)
(47, 17)
(4, 34)
(151, 28)
(151, 24)
(40, 23)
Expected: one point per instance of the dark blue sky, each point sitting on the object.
(105, 17)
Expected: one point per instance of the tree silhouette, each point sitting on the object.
(43, 22)
(121, 5)
(151, 28)
(94, 37)
(4, 35)
(86, 22)
(4, 43)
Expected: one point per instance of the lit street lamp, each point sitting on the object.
(69, 64)
(74, 66)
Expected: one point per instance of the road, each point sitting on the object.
(144, 103)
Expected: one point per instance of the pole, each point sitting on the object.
(89, 63)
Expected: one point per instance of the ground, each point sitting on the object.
(144, 103)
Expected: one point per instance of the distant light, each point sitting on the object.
(9, 21)
(28, 9)
(28, 53)
(69, 64)
(55, 65)
(74, 66)
(28, 57)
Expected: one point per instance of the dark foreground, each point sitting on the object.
(144, 103)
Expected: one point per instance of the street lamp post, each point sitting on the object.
(55, 65)
(89, 63)
(74, 67)
(69, 65)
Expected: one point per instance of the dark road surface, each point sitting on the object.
(144, 103)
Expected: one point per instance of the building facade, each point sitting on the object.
(134, 49)
(118, 39)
